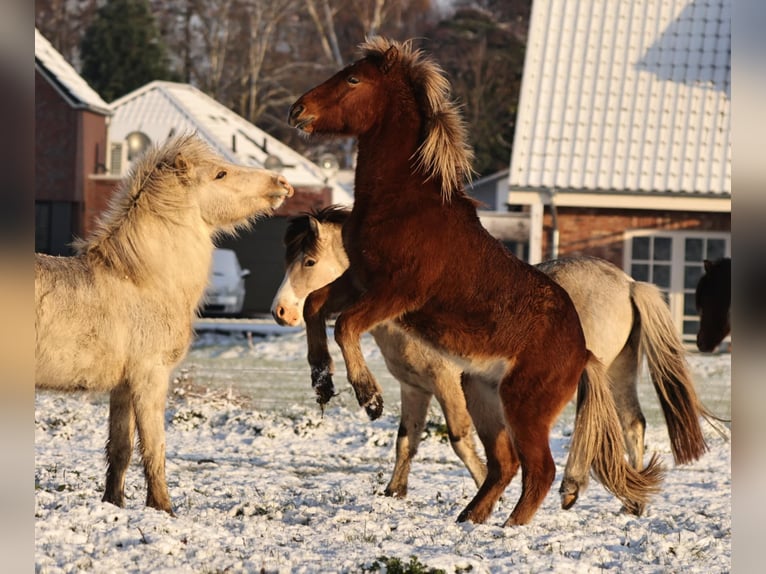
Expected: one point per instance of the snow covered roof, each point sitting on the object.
(64, 78)
(161, 108)
(619, 95)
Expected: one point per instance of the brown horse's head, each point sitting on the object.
(713, 300)
(397, 91)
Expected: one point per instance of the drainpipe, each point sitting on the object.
(554, 225)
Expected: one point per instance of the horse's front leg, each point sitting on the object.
(119, 446)
(318, 306)
(149, 396)
(369, 310)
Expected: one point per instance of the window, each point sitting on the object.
(672, 260)
(42, 226)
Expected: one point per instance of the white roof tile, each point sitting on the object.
(630, 95)
(65, 78)
(161, 108)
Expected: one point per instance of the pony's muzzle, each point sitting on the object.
(284, 317)
(296, 118)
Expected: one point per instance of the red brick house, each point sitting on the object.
(70, 148)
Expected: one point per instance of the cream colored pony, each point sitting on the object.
(117, 316)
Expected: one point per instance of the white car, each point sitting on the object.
(225, 292)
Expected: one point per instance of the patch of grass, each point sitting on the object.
(391, 565)
(437, 429)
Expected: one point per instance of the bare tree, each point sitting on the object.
(63, 23)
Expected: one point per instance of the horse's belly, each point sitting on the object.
(72, 357)
(489, 369)
(69, 368)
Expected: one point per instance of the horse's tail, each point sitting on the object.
(597, 441)
(660, 343)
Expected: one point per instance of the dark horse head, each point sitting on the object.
(713, 300)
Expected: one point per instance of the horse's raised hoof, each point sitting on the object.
(374, 406)
(321, 381)
(569, 492)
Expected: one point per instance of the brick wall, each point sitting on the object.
(601, 232)
(305, 199)
(55, 144)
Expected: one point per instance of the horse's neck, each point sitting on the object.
(172, 258)
(385, 155)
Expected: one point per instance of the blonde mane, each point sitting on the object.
(445, 152)
(150, 198)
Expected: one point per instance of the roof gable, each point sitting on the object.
(161, 108)
(621, 95)
(64, 78)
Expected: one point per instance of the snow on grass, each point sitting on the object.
(261, 486)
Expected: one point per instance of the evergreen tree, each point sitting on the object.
(122, 49)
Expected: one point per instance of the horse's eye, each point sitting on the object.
(353, 80)
(221, 174)
(309, 262)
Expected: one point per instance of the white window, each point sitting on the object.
(672, 260)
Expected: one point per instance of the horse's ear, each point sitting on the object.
(708, 265)
(314, 225)
(180, 163)
(389, 59)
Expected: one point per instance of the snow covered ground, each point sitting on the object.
(262, 482)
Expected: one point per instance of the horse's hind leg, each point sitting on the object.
(149, 404)
(458, 420)
(414, 410)
(530, 421)
(623, 378)
(119, 447)
(502, 462)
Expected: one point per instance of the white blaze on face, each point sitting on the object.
(287, 307)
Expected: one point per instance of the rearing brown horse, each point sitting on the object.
(419, 255)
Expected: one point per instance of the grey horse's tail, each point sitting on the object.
(597, 444)
(664, 351)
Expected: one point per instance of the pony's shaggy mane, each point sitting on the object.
(153, 189)
(299, 235)
(444, 152)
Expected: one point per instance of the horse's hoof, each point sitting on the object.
(374, 407)
(568, 500)
(569, 492)
(321, 381)
(468, 515)
(395, 492)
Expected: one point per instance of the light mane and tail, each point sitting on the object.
(597, 443)
(670, 375)
(444, 153)
(145, 191)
